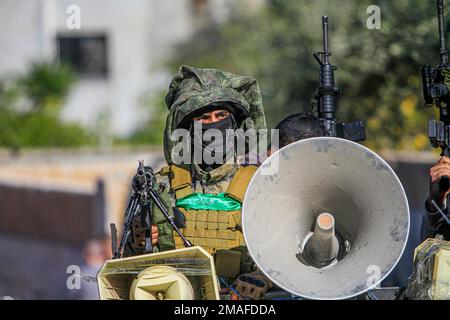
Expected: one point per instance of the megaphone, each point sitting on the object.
(325, 218)
(183, 274)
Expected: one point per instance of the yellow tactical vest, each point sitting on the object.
(211, 229)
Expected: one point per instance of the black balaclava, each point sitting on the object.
(226, 147)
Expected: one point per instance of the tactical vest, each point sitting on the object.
(211, 229)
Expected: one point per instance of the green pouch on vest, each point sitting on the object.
(207, 201)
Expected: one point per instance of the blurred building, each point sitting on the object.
(117, 52)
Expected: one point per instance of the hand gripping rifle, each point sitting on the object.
(141, 204)
(436, 93)
(325, 97)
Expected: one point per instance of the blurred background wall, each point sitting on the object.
(51, 204)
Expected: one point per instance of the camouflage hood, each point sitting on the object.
(193, 90)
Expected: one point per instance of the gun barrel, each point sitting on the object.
(140, 173)
(326, 52)
(443, 51)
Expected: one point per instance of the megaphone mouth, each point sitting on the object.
(306, 255)
(344, 248)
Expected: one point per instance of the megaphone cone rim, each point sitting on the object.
(293, 145)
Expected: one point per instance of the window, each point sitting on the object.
(88, 55)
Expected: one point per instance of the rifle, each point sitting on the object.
(436, 93)
(325, 97)
(141, 204)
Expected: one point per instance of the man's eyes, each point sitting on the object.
(209, 117)
(222, 115)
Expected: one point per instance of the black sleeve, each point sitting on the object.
(430, 221)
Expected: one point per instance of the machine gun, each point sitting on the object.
(141, 204)
(436, 93)
(325, 97)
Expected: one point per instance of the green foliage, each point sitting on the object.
(151, 132)
(9, 94)
(378, 70)
(45, 85)
(38, 129)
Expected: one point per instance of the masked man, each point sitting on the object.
(209, 193)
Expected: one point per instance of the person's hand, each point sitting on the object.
(139, 233)
(155, 235)
(440, 169)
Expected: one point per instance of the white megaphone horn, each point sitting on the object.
(330, 223)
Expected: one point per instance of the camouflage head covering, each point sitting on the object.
(194, 89)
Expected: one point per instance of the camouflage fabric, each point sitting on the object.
(193, 89)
